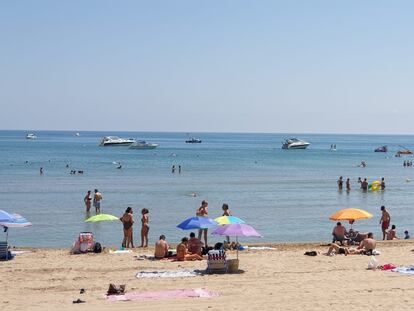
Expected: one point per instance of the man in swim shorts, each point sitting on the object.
(97, 197)
(384, 221)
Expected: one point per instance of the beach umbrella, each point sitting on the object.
(225, 220)
(350, 214)
(102, 217)
(8, 220)
(237, 230)
(197, 222)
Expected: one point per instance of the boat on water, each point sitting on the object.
(382, 149)
(193, 141)
(295, 143)
(404, 151)
(142, 144)
(77, 134)
(116, 141)
(31, 136)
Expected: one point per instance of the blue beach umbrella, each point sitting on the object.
(197, 222)
(8, 220)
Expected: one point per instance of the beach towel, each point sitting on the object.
(259, 248)
(164, 294)
(167, 274)
(121, 251)
(404, 270)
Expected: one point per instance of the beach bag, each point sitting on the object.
(97, 248)
(373, 263)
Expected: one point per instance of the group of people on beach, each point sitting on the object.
(127, 220)
(363, 184)
(366, 240)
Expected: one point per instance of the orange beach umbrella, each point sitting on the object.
(350, 214)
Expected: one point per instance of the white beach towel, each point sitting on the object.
(167, 274)
(121, 251)
(404, 270)
(260, 248)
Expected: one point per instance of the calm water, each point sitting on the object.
(287, 195)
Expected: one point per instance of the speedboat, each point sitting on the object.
(294, 143)
(382, 149)
(141, 144)
(116, 141)
(31, 136)
(193, 141)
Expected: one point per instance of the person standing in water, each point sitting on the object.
(226, 212)
(179, 169)
(173, 169)
(145, 227)
(382, 184)
(384, 221)
(97, 197)
(340, 183)
(202, 211)
(348, 185)
(87, 199)
(41, 171)
(127, 221)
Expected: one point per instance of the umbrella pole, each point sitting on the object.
(237, 249)
(7, 243)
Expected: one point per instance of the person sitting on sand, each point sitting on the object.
(392, 234)
(195, 246)
(365, 247)
(339, 233)
(161, 248)
(183, 254)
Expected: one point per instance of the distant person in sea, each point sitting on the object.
(405, 163)
(203, 212)
(384, 221)
(340, 183)
(406, 235)
(161, 248)
(145, 227)
(128, 221)
(97, 198)
(360, 182)
(173, 169)
(183, 254)
(41, 171)
(364, 185)
(88, 201)
(392, 233)
(195, 246)
(348, 185)
(179, 169)
(382, 184)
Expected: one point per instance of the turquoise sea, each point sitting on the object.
(287, 195)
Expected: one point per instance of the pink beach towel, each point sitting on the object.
(165, 294)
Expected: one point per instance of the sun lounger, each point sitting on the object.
(5, 254)
(216, 261)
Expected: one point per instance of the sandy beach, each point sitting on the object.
(278, 279)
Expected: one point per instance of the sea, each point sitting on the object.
(286, 195)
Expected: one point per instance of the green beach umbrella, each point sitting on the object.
(102, 217)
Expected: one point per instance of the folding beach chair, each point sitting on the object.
(5, 254)
(216, 261)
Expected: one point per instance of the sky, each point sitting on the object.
(208, 66)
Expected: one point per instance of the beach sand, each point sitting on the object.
(280, 279)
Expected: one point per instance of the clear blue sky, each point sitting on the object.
(239, 66)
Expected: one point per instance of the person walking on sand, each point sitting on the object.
(145, 227)
(202, 211)
(87, 199)
(340, 183)
(384, 221)
(97, 197)
(128, 221)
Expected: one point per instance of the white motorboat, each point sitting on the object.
(141, 144)
(116, 141)
(31, 136)
(295, 143)
(193, 141)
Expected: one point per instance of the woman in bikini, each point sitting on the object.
(128, 220)
(88, 200)
(145, 227)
